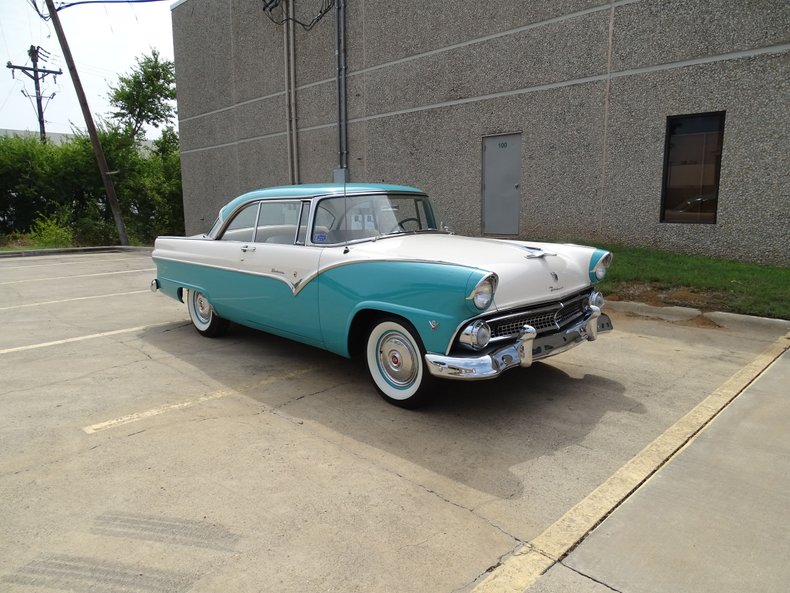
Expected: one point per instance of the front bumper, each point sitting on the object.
(527, 348)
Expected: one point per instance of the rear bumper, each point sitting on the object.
(526, 349)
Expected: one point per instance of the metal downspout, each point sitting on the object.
(341, 173)
(286, 71)
(293, 102)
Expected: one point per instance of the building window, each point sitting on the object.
(692, 166)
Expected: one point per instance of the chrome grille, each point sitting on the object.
(544, 318)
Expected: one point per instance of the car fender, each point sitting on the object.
(430, 295)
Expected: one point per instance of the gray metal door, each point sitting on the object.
(501, 184)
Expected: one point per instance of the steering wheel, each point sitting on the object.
(405, 220)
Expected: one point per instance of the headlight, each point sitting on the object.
(483, 293)
(600, 264)
(596, 299)
(476, 335)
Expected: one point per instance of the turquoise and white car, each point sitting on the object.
(365, 269)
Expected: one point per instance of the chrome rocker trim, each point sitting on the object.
(526, 349)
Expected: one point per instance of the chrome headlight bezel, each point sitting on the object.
(598, 271)
(476, 335)
(482, 294)
(596, 299)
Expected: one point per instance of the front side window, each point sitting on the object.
(278, 222)
(692, 168)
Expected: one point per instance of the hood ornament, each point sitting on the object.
(555, 277)
(535, 252)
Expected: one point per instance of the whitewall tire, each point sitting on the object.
(202, 314)
(395, 359)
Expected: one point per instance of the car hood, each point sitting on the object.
(528, 272)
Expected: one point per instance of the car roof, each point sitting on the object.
(311, 190)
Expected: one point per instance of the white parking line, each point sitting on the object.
(116, 332)
(85, 298)
(63, 263)
(79, 276)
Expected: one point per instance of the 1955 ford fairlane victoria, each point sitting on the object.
(365, 269)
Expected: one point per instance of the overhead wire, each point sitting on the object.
(67, 5)
(34, 4)
(270, 5)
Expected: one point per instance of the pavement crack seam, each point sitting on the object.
(462, 507)
(525, 546)
(278, 410)
(586, 576)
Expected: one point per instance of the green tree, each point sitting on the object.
(55, 190)
(146, 95)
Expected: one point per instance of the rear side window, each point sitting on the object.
(242, 227)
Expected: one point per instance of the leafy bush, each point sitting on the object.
(54, 231)
(59, 186)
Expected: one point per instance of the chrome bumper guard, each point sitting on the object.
(527, 348)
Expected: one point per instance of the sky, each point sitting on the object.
(105, 40)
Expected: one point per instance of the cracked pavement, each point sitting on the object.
(315, 483)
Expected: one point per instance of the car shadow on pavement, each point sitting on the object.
(474, 433)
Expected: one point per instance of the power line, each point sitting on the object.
(10, 92)
(67, 5)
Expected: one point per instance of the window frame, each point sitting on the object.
(234, 216)
(722, 115)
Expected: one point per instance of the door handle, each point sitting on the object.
(246, 248)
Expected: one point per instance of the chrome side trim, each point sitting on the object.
(291, 285)
(526, 349)
(299, 284)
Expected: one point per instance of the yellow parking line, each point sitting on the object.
(129, 418)
(521, 571)
(85, 298)
(93, 428)
(50, 278)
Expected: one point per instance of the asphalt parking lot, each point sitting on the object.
(137, 456)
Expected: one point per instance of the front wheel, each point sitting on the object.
(203, 317)
(395, 360)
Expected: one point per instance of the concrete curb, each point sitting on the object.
(689, 313)
(665, 313)
(66, 250)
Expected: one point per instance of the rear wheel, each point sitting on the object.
(203, 317)
(396, 363)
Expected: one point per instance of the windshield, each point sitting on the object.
(214, 228)
(352, 218)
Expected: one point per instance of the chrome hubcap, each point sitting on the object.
(202, 307)
(397, 359)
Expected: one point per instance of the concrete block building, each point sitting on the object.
(661, 123)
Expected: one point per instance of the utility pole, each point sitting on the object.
(101, 161)
(37, 75)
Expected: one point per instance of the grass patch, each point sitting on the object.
(667, 278)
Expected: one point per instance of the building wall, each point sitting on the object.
(589, 85)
